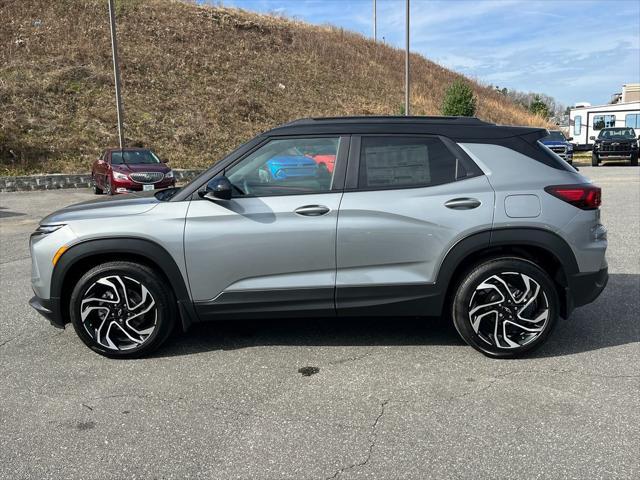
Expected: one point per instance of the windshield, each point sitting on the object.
(618, 133)
(133, 156)
(555, 136)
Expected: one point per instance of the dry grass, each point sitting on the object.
(197, 81)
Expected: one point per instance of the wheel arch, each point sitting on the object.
(87, 254)
(545, 248)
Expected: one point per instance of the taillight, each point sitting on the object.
(586, 197)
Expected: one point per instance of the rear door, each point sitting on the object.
(407, 201)
(271, 248)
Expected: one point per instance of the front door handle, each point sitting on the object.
(462, 203)
(312, 210)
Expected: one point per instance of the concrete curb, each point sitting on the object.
(56, 181)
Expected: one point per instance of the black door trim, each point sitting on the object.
(298, 302)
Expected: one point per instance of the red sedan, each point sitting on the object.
(130, 170)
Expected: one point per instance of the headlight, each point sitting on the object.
(569, 148)
(169, 174)
(46, 229)
(120, 176)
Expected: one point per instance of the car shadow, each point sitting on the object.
(9, 213)
(616, 164)
(608, 322)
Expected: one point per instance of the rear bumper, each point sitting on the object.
(49, 309)
(584, 288)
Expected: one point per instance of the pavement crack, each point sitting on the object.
(373, 436)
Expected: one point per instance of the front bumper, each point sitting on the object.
(584, 288)
(127, 186)
(49, 309)
(614, 155)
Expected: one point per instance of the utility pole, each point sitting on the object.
(116, 72)
(375, 25)
(406, 66)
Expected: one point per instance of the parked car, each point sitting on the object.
(288, 166)
(125, 170)
(559, 144)
(450, 217)
(615, 144)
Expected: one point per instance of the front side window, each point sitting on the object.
(393, 162)
(577, 125)
(286, 167)
(604, 121)
(632, 120)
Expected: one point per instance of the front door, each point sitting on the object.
(270, 250)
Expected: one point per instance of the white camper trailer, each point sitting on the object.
(587, 120)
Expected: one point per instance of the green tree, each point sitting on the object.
(459, 100)
(538, 107)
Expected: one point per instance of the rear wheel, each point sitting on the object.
(122, 309)
(505, 307)
(595, 160)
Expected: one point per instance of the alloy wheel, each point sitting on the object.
(118, 312)
(508, 310)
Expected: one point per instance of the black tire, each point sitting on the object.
(634, 160)
(153, 327)
(515, 270)
(108, 187)
(595, 160)
(97, 190)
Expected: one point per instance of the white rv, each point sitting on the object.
(586, 120)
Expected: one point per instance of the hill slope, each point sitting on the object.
(197, 81)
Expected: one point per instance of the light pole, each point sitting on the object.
(375, 25)
(116, 72)
(406, 66)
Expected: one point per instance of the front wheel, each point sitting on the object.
(595, 160)
(122, 309)
(634, 160)
(97, 190)
(505, 307)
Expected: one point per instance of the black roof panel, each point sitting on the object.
(457, 128)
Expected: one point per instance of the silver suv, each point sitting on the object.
(409, 216)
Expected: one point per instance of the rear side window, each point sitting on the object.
(393, 162)
(604, 121)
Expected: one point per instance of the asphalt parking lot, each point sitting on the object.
(391, 398)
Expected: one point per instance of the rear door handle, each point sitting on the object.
(312, 210)
(462, 203)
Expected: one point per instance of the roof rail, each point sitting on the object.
(390, 118)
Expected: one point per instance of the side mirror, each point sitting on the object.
(218, 188)
(592, 138)
(569, 139)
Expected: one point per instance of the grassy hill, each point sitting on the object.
(197, 81)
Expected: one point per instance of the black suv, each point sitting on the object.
(615, 144)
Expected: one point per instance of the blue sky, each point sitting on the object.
(573, 50)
